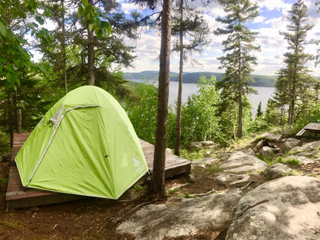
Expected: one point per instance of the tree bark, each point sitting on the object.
(157, 186)
(63, 48)
(177, 143)
(10, 119)
(240, 133)
(90, 79)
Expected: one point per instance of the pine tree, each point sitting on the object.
(259, 111)
(237, 61)
(186, 24)
(293, 81)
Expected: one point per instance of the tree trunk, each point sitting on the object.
(157, 186)
(90, 79)
(240, 133)
(63, 48)
(10, 119)
(177, 143)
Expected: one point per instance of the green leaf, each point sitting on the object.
(87, 10)
(90, 27)
(3, 30)
(39, 20)
(97, 22)
(85, 3)
(11, 77)
(107, 27)
(10, 68)
(42, 69)
(80, 11)
(18, 81)
(47, 12)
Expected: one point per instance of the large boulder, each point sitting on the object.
(182, 217)
(241, 163)
(267, 151)
(306, 147)
(291, 143)
(250, 151)
(300, 159)
(271, 137)
(278, 170)
(310, 154)
(285, 208)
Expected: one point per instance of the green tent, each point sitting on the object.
(84, 145)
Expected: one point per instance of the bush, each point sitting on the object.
(199, 115)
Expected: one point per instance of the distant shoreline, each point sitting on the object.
(260, 80)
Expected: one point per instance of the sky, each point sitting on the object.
(272, 20)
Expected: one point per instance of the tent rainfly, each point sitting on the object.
(84, 145)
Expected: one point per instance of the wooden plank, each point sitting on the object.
(310, 127)
(313, 127)
(301, 132)
(19, 197)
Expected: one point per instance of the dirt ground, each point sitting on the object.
(90, 218)
(94, 218)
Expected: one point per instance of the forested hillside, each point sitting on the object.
(260, 80)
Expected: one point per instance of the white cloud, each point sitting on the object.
(129, 7)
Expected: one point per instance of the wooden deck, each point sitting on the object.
(310, 127)
(19, 197)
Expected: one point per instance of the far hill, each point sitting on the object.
(260, 80)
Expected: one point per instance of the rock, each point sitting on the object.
(190, 177)
(204, 162)
(207, 143)
(267, 151)
(301, 159)
(195, 145)
(278, 170)
(306, 147)
(271, 137)
(291, 143)
(236, 180)
(310, 154)
(260, 144)
(285, 208)
(249, 151)
(182, 217)
(202, 145)
(241, 163)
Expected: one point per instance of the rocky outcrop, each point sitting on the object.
(249, 151)
(240, 169)
(182, 217)
(278, 170)
(205, 162)
(267, 151)
(271, 137)
(306, 147)
(285, 208)
(300, 159)
(241, 163)
(291, 143)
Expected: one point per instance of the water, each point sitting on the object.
(264, 93)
